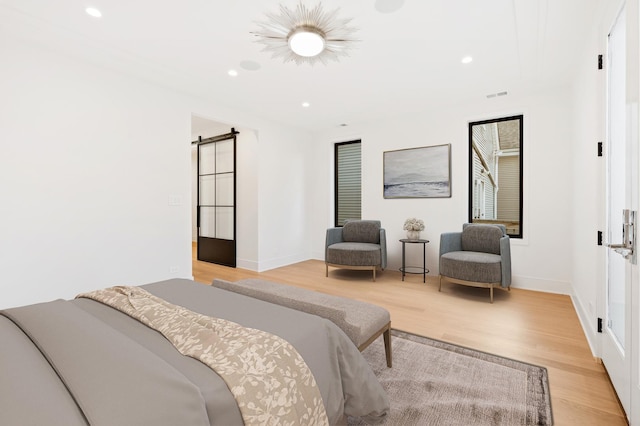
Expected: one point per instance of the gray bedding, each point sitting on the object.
(91, 364)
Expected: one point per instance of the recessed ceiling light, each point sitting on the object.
(93, 12)
(232, 73)
(306, 104)
(467, 60)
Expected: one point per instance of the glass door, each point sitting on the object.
(216, 214)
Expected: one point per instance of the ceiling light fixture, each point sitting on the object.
(467, 60)
(306, 35)
(306, 41)
(232, 73)
(306, 104)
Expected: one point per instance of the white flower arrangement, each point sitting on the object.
(413, 224)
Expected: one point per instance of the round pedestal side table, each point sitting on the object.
(415, 269)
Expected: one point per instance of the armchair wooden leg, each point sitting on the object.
(440, 285)
(327, 270)
(374, 274)
(491, 292)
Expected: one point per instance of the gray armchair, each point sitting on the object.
(359, 244)
(479, 256)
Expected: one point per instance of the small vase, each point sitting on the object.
(413, 235)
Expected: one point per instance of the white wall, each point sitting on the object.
(89, 159)
(542, 260)
(247, 254)
(86, 178)
(285, 201)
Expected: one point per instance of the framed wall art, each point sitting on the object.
(418, 172)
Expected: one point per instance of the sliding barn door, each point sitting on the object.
(216, 214)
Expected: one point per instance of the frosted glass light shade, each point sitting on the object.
(307, 42)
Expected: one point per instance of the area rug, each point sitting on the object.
(437, 383)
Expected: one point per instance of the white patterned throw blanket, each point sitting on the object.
(267, 376)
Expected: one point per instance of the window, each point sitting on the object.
(348, 178)
(495, 173)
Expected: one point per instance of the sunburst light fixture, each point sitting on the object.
(305, 35)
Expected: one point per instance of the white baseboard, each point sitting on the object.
(251, 265)
(541, 284)
(588, 322)
(281, 261)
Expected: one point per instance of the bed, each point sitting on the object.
(82, 362)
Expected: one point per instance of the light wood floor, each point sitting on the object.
(539, 328)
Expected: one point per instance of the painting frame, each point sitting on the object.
(422, 172)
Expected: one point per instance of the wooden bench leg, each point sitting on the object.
(387, 345)
(386, 334)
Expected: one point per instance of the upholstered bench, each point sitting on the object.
(362, 322)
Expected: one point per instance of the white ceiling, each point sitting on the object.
(406, 61)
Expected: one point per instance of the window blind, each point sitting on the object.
(509, 193)
(348, 181)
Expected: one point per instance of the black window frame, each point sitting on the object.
(337, 213)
